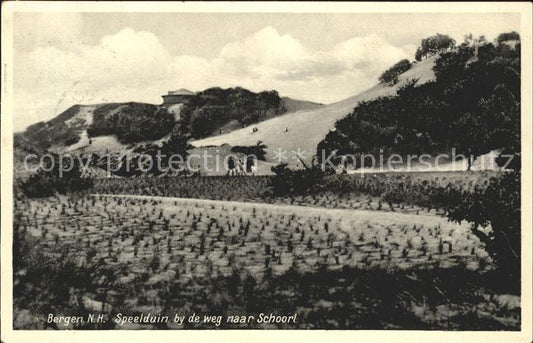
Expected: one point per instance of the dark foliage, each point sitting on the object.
(55, 131)
(151, 159)
(349, 298)
(508, 36)
(429, 191)
(288, 181)
(58, 284)
(433, 45)
(345, 299)
(131, 122)
(214, 107)
(213, 187)
(257, 150)
(64, 177)
(390, 76)
(497, 205)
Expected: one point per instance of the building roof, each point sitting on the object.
(181, 91)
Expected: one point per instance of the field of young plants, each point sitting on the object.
(346, 256)
(212, 237)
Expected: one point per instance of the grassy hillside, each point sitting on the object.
(307, 128)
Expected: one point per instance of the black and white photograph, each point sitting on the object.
(269, 167)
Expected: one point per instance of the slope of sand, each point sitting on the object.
(295, 105)
(305, 129)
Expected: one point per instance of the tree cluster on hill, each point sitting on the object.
(508, 36)
(390, 76)
(214, 107)
(472, 106)
(131, 122)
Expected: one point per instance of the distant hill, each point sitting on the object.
(129, 122)
(127, 127)
(120, 127)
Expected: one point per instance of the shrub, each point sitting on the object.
(131, 122)
(497, 205)
(390, 76)
(55, 131)
(296, 181)
(206, 119)
(162, 157)
(472, 106)
(47, 183)
(257, 150)
(394, 195)
(57, 284)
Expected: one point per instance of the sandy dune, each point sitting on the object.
(305, 129)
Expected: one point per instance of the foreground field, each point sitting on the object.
(160, 254)
(212, 237)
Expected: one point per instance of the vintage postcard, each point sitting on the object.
(251, 172)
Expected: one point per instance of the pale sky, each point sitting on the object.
(62, 59)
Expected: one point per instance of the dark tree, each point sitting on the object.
(131, 122)
(471, 132)
(206, 119)
(508, 36)
(288, 181)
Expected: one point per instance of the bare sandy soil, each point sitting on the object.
(305, 129)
